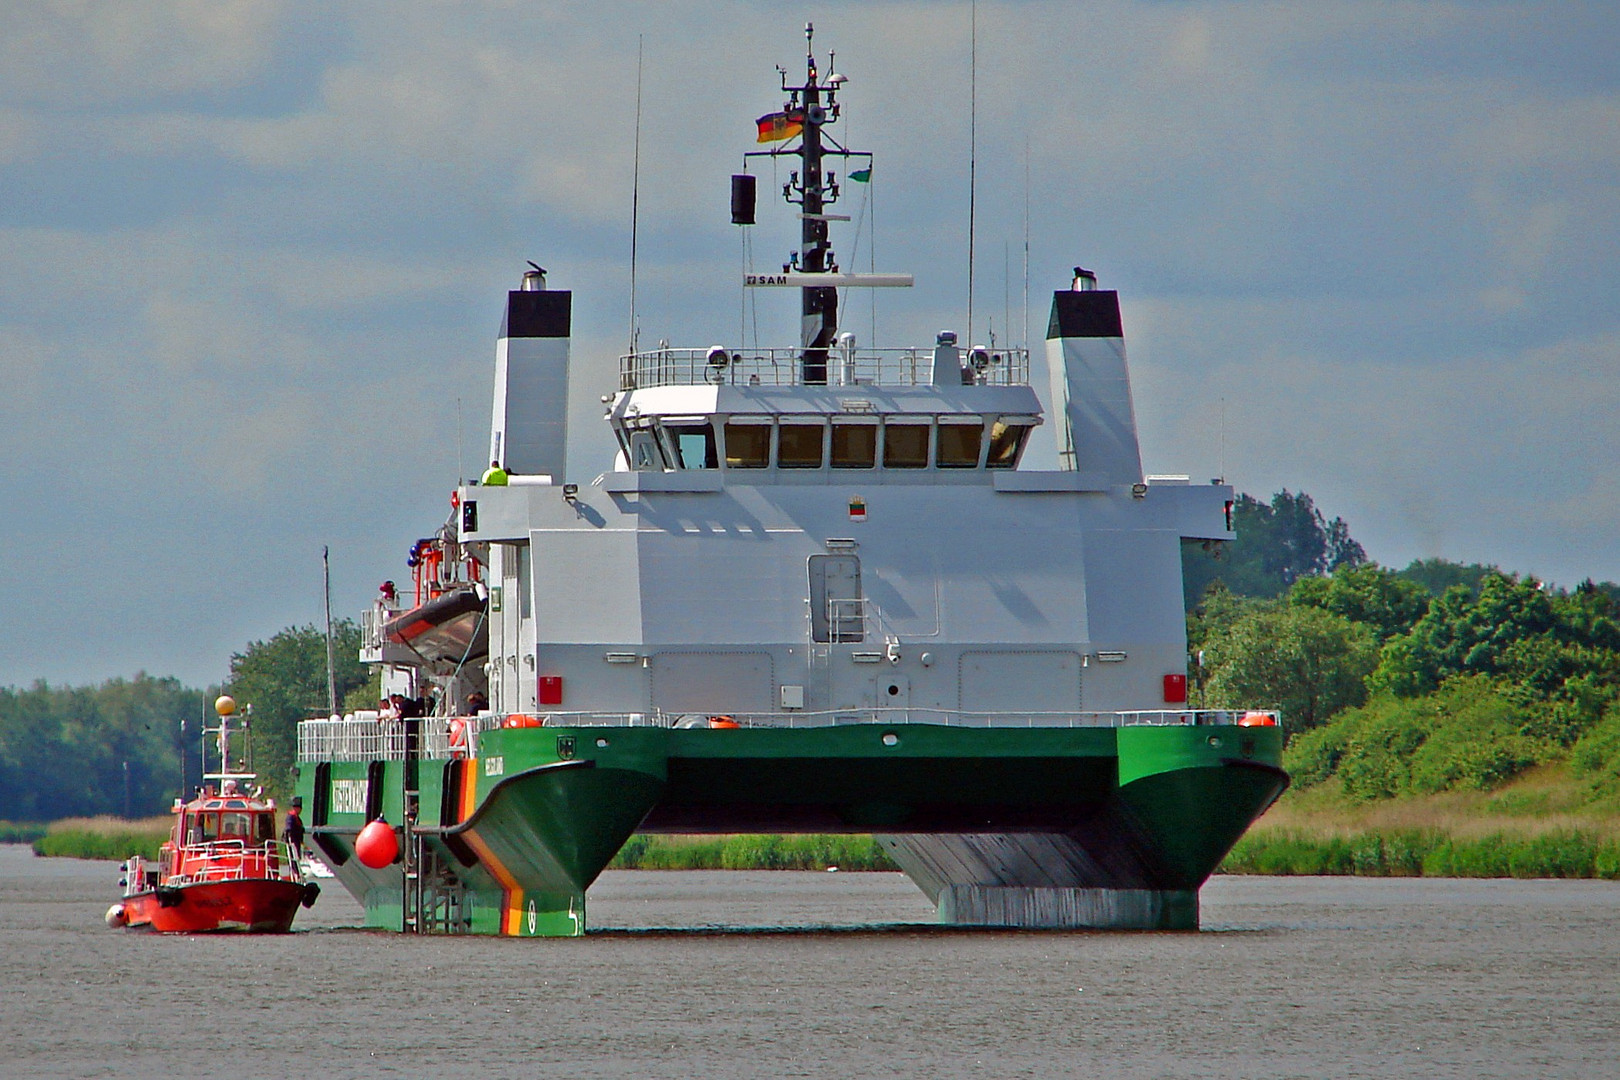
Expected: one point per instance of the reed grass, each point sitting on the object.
(20, 832)
(752, 852)
(1427, 853)
(103, 837)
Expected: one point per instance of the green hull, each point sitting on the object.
(511, 840)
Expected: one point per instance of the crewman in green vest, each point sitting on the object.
(494, 476)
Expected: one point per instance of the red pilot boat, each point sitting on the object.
(222, 867)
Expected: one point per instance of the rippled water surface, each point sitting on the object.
(732, 975)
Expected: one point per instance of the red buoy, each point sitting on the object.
(377, 846)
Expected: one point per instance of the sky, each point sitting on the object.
(253, 256)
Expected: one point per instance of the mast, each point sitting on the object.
(819, 304)
(813, 269)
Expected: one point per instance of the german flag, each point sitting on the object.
(774, 127)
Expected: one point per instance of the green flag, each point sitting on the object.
(862, 176)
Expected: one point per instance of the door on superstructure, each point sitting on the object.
(837, 608)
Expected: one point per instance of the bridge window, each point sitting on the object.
(854, 446)
(799, 446)
(905, 446)
(1006, 443)
(692, 445)
(959, 443)
(748, 446)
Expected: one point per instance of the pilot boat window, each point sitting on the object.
(748, 446)
(267, 826)
(1006, 442)
(204, 828)
(905, 446)
(236, 825)
(799, 446)
(959, 444)
(854, 446)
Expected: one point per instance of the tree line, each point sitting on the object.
(1391, 682)
(128, 747)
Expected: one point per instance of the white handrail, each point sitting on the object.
(372, 740)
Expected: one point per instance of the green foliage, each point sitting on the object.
(20, 832)
(63, 749)
(1277, 544)
(1308, 662)
(284, 680)
(752, 852)
(1468, 736)
(1365, 593)
(1426, 853)
(87, 843)
(1596, 757)
(1438, 575)
(1557, 646)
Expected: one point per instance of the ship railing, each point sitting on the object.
(448, 737)
(235, 860)
(970, 719)
(857, 366)
(365, 737)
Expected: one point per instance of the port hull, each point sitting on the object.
(1084, 826)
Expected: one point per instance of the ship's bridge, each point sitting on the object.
(899, 412)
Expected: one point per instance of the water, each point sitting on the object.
(1296, 977)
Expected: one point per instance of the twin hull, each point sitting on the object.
(1125, 823)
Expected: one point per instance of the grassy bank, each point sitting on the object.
(1408, 853)
(20, 832)
(751, 852)
(1544, 823)
(103, 838)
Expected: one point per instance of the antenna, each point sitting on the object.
(635, 200)
(331, 670)
(973, 153)
(1025, 334)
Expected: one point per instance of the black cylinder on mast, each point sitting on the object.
(742, 199)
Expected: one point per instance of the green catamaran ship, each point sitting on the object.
(825, 588)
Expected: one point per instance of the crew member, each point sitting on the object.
(293, 831)
(494, 476)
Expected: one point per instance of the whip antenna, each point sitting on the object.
(635, 200)
(973, 152)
